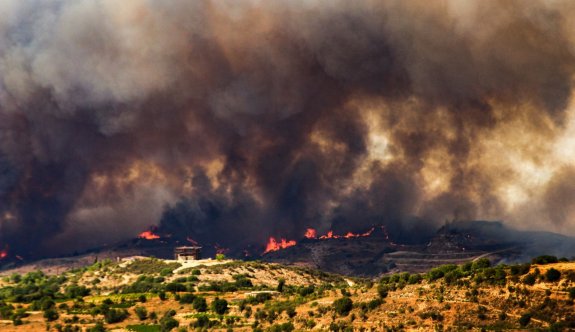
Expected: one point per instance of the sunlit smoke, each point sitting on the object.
(234, 122)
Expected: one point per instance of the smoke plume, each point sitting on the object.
(231, 121)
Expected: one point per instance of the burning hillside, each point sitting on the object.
(311, 234)
(148, 235)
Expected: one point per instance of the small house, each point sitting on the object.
(187, 253)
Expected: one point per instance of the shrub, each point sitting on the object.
(219, 306)
(149, 266)
(99, 327)
(343, 306)
(51, 314)
(162, 295)
(115, 315)
(175, 287)
(434, 315)
(305, 291)
(203, 322)
(168, 323)
(187, 298)
(481, 264)
(467, 267)
(414, 279)
(552, 275)
(373, 304)
(524, 319)
(382, 291)
(544, 259)
(285, 327)
(200, 304)
(529, 279)
(452, 276)
(435, 274)
(242, 281)
(75, 291)
(141, 312)
(166, 272)
(519, 270)
(281, 284)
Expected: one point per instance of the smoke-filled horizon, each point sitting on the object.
(232, 121)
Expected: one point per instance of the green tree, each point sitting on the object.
(141, 312)
(281, 284)
(115, 315)
(51, 314)
(99, 327)
(552, 275)
(481, 264)
(343, 306)
(382, 290)
(168, 323)
(219, 306)
(200, 304)
(187, 298)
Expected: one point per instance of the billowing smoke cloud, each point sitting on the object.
(230, 121)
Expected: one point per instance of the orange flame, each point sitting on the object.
(148, 235)
(329, 235)
(275, 245)
(310, 233)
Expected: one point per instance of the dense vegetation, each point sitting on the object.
(157, 297)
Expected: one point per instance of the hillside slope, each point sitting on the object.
(143, 294)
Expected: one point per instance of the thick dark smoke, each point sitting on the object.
(231, 121)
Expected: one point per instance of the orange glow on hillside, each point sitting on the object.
(310, 233)
(148, 235)
(275, 245)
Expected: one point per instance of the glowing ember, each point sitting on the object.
(148, 235)
(3, 253)
(310, 233)
(275, 245)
